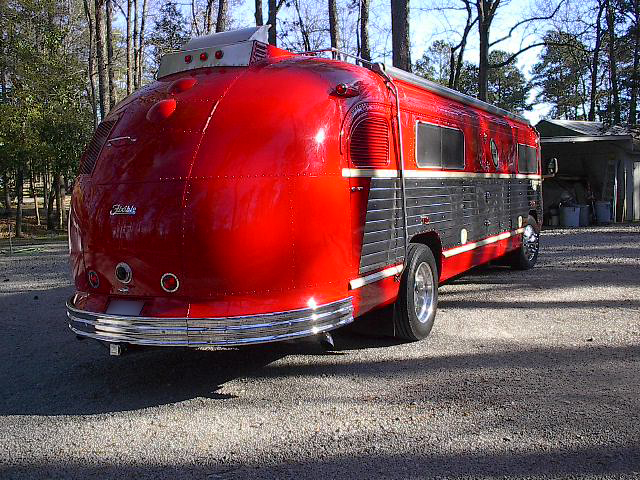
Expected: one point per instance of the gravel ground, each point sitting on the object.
(526, 375)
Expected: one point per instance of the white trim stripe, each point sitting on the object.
(374, 277)
(473, 245)
(378, 173)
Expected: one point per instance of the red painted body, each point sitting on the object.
(236, 176)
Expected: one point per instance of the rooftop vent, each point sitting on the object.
(236, 48)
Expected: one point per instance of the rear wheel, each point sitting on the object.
(527, 255)
(415, 309)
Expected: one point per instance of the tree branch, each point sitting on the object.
(527, 20)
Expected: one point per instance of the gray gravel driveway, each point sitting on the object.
(526, 375)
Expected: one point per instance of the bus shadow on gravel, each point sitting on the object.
(45, 370)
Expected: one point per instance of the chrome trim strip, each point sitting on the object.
(224, 331)
(379, 173)
(480, 243)
(374, 277)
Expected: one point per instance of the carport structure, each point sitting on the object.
(595, 163)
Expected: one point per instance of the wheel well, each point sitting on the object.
(534, 214)
(431, 240)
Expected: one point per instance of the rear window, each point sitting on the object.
(527, 159)
(439, 147)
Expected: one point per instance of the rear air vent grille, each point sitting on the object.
(258, 53)
(370, 142)
(91, 153)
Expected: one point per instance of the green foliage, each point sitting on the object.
(169, 31)
(562, 75)
(45, 118)
(508, 87)
(435, 64)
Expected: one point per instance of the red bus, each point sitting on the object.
(253, 195)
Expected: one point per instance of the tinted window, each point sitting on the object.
(527, 159)
(439, 147)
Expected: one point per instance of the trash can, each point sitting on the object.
(603, 212)
(569, 216)
(585, 215)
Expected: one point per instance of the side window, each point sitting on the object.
(439, 147)
(527, 159)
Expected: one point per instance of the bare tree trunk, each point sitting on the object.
(595, 64)
(259, 19)
(90, 67)
(456, 61)
(400, 34)
(61, 195)
(45, 192)
(102, 77)
(483, 62)
(141, 42)
(20, 196)
(208, 14)
(6, 195)
(365, 47)
(58, 198)
(613, 69)
(129, 53)
(221, 22)
(34, 195)
(135, 45)
(633, 104)
(334, 27)
(51, 220)
(304, 31)
(112, 84)
(273, 16)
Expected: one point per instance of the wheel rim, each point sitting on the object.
(530, 242)
(423, 292)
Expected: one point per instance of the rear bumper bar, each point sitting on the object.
(222, 331)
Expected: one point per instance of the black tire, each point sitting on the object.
(527, 255)
(408, 325)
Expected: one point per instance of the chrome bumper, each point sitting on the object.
(223, 331)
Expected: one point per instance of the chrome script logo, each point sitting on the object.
(123, 210)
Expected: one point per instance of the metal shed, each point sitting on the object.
(596, 163)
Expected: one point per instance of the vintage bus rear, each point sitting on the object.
(252, 195)
(211, 209)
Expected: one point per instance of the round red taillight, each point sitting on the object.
(169, 282)
(204, 56)
(161, 110)
(188, 58)
(94, 280)
(341, 89)
(219, 54)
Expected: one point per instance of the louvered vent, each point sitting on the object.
(370, 143)
(92, 151)
(258, 53)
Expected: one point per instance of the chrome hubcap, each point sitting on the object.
(530, 242)
(423, 290)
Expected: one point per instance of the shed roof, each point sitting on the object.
(578, 126)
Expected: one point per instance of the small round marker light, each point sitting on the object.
(169, 282)
(188, 58)
(204, 56)
(124, 273)
(341, 89)
(94, 280)
(219, 54)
